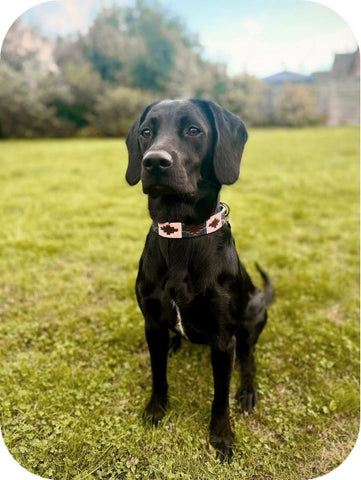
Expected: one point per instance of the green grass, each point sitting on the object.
(74, 364)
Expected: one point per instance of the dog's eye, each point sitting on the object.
(146, 133)
(193, 131)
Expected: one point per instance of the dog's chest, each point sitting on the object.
(178, 325)
(193, 315)
(185, 285)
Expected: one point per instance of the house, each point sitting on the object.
(336, 92)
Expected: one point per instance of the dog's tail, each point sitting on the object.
(268, 292)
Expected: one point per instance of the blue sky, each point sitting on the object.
(258, 36)
(266, 36)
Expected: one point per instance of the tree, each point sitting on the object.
(116, 109)
(84, 85)
(151, 70)
(243, 97)
(106, 45)
(26, 114)
(295, 106)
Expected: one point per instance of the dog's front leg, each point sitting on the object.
(221, 435)
(158, 342)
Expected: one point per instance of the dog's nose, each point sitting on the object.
(157, 161)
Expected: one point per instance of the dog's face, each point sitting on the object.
(175, 144)
(174, 139)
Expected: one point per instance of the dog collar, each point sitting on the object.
(182, 230)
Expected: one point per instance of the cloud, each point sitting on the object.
(303, 38)
(62, 17)
(74, 14)
(71, 16)
(266, 46)
(252, 27)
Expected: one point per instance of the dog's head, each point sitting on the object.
(175, 144)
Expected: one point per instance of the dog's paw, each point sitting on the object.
(155, 411)
(223, 448)
(222, 440)
(247, 399)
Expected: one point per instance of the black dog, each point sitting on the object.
(190, 280)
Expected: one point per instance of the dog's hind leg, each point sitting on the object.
(254, 320)
(247, 336)
(247, 394)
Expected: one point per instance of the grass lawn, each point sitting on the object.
(75, 373)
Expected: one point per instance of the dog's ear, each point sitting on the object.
(230, 139)
(134, 153)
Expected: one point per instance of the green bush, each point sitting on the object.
(295, 107)
(23, 109)
(116, 109)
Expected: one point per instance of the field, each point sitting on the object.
(74, 364)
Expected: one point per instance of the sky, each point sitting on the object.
(260, 37)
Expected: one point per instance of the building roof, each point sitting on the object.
(286, 77)
(346, 64)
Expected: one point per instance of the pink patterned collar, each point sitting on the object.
(182, 230)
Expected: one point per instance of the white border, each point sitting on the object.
(349, 10)
(11, 10)
(10, 469)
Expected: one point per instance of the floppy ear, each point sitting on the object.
(230, 139)
(134, 153)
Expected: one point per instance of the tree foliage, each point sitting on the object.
(96, 83)
(116, 109)
(296, 106)
(24, 111)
